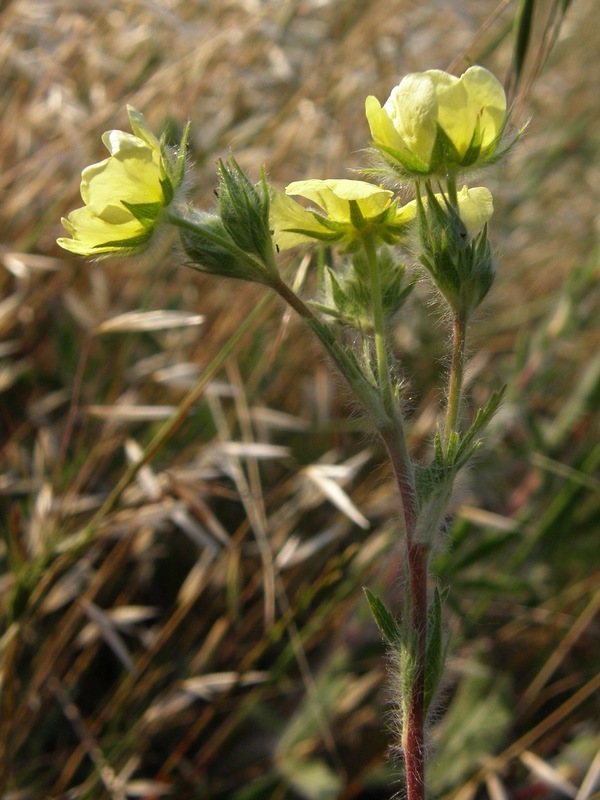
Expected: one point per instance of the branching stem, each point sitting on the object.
(380, 405)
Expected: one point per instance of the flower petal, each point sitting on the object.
(413, 108)
(381, 125)
(91, 231)
(334, 197)
(487, 97)
(476, 207)
(287, 217)
(132, 176)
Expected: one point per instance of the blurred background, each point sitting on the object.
(197, 628)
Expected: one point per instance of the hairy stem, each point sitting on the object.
(413, 734)
(388, 422)
(414, 724)
(459, 338)
(362, 389)
(383, 370)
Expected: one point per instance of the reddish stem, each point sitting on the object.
(417, 556)
(414, 738)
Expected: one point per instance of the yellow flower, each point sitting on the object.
(434, 121)
(352, 209)
(475, 207)
(125, 194)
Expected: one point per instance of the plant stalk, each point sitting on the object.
(413, 734)
(388, 422)
(459, 338)
(383, 369)
(395, 441)
(362, 389)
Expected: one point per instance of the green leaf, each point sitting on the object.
(522, 36)
(167, 189)
(385, 620)
(436, 651)
(469, 443)
(406, 649)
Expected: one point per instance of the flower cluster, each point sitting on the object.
(433, 127)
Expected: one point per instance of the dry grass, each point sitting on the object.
(195, 627)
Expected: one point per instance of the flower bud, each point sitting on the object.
(211, 249)
(244, 211)
(455, 246)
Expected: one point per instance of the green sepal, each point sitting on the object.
(461, 267)
(405, 165)
(167, 190)
(322, 236)
(178, 172)
(386, 622)
(173, 164)
(146, 213)
(127, 245)
(350, 292)
(473, 151)
(356, 217)
(443, 153)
